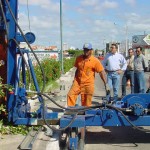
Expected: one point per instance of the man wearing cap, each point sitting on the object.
(83, 83)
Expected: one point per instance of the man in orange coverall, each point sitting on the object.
(83, 83)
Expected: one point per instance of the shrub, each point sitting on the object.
(52, 70)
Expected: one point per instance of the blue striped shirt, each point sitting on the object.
(114, 62)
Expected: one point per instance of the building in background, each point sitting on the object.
(51, 48)
(44, 54)
(65, 46)
(144, 42)
(39, 47)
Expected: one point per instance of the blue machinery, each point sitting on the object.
(133, 110)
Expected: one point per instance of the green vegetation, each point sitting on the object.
(5, 126)
(75, 53)
(3, 87)
(52, 70)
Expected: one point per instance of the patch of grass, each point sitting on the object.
(52, 85)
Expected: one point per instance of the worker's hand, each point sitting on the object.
(106, 70)
(146, 69)
(120, 71)
(107, 88)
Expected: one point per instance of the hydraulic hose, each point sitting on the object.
(71, 109)
(52, 127)
(134, 126)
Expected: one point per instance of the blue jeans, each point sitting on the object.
(113, 79)
(139, 82)
(128, 75)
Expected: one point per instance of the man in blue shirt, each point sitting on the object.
(114, 64)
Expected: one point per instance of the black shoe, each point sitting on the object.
(109, 102)
(148, 90)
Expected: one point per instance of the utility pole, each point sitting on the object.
(61, 39)
(126, 40)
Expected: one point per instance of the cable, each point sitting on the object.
(52, 127)
(74, 114)
(134, 127)
(71, 109)
(42, 71)
(75, 109)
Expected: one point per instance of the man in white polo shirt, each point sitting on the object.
(114, 64)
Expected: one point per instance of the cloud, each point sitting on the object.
(131, 2)
(42, 22)
(45, 28)
(35, 2)
(136, 22)
(96, 6)
(109, 4)
(83, 21)
(45, 4)
(89, 2)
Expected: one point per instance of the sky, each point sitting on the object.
(93, 21)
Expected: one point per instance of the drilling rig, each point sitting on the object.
(133, 110)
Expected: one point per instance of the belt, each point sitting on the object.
(112, 70)
(138, 70)
(130, 70)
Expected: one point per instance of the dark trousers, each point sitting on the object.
(139, 80)
(128, 75)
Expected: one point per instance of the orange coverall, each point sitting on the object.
(84, 80)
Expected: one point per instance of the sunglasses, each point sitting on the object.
(112, 47)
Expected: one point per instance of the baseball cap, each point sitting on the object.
(87, 46)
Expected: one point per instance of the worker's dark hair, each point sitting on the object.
(115, 45)
(139, 48)
(130, 49)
